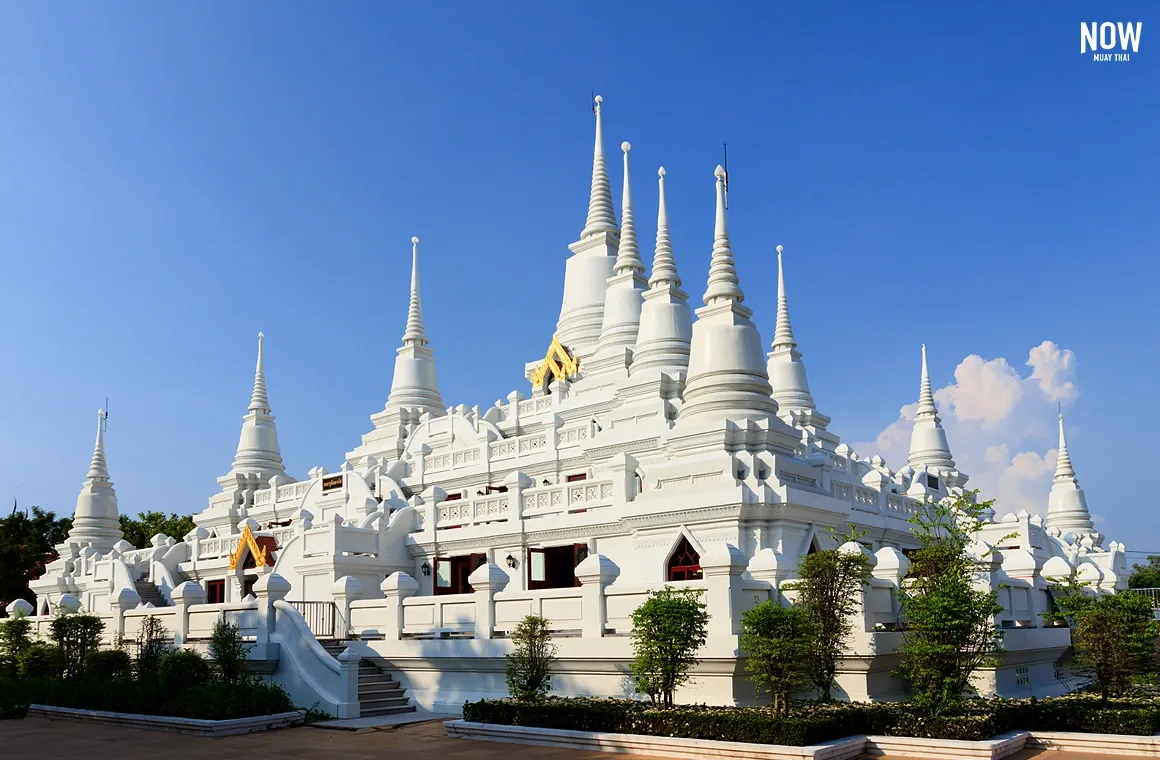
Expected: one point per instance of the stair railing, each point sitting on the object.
(321, 618)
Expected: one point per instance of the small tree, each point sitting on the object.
(151, 647)
(15, 639)
(829, 588)
(76, 635)
(529, 666)
(1113, 637)
(667, 630)
(778, 641)
(229, 651)
(1146, 576)
(951, 629)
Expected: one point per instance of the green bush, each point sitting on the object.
(778, 642)
(182, 670)
(529, 666)
(212, 701)
(667, 630)
(228, 650)
(222, 701)
(39, 660)
(151, 647)
(109, 665)
(76, 636)
(755, 725)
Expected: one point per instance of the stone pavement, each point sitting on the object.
(45, 739)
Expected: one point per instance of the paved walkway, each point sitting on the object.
(44, 739)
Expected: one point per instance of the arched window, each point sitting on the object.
(637, 485)
(685, 563)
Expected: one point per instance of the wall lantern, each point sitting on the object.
(511, 561)
(426, 569)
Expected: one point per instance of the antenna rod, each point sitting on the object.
(592, 100)
(105, 417)
(725, 146)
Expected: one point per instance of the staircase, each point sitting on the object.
(378, 693)
(149, 593)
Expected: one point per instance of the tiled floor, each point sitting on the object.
(44, 739)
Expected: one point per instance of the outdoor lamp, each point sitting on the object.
(511, 561)
(426, 569)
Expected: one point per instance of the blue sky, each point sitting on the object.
(176, 178)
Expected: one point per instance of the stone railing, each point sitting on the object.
(570, 497)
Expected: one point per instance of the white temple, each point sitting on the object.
(649, 449)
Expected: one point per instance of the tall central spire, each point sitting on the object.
(258, 456)
(727, 373)
(95, 519)
(601, 217)
(665, 323)
(414, 386)
(928, 440)
(723, 282)
(787, 373)
(1067, 507)
(259, 401)
(98, 467)
(414, 334)
(587, 270)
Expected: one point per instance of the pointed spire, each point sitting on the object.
(1067, 507)
(95, 519)
(928, 440)
(727, 378)
(665, 322)
(664, 268)
(628, 257)
(926, 407)
(601, 217)
(1063, 468)
(98, 467)
(414, 334)
(258, 453)
(259, 401)
(783, 332)
(723, 282)
(787, 372)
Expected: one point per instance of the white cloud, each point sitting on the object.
(1054, 369)
(990, 411)
(986, 391)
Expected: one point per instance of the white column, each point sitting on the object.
(185, 596)
(595, 573)
(486, 580)
(396, 587)
(268, 589)
(346, 590)
(722, 566)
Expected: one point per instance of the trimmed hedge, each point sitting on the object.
(812, 723)
(212, 701)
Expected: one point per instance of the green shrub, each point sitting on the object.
(228, 650)
(778, 642)
(182, 670)
(751, 725)
(667, 630)
(76, 635)
(151, 647)
(829, 588)
(39, 660)
(109, 665)
(15, 637)
(1113, 636)
(529, 667)
(961, 727)
(222, 701)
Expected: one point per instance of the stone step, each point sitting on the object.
(378, 693)
(386, 711)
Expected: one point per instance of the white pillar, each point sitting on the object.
(396, 587)
(185, 596)
(723, 565)
(345, 590)
(268, 589)
(348, 674)
(595, 573)
(486, 580)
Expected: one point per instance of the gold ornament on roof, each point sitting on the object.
(558, 361)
